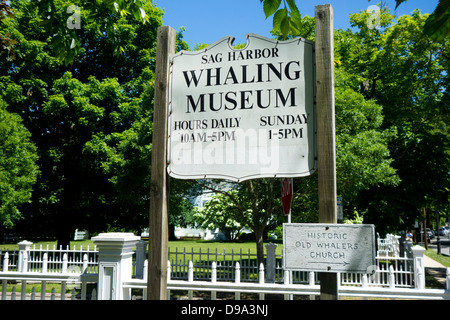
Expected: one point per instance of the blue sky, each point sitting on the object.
(206, 21)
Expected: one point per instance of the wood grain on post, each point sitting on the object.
(158, 226)
(326, 137)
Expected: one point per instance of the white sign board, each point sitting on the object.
(243, 114)
(329, 247)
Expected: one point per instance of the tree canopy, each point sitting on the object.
(76, 105)
(18, 168)
(287, 18)
(91, 119)
(392, 108)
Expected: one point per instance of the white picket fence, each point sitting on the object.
(389, 246)
(226, 261)
(365, 290)
(78, 272)
(68, 273)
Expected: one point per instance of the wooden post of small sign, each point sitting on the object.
(158, 228)
(326, 133)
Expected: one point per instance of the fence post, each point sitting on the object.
(169, 276)
(270, 262)
(65, 262)
(44, 262)
(419, 267)
(261, 279)
(448, 279)
(23, 290)
(85, 263)
(141, 250)
(43, 288)
(213, 279)
(5, 269)
(6, 262)
(237, 279)
(33, 293)
(13, 293)
(24, 252)
(190, 278)
(115, 253)
(391, 278)
(287, 281)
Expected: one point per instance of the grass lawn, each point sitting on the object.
(15, 246)
(442, 259)
(188, 245)
(196, 245)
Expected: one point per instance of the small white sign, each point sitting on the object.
(329, 247)
(243, 114)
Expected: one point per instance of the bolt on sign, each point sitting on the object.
(329, 247)
(243, 114)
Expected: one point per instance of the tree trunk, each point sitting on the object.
(63, 239)
(259, 235)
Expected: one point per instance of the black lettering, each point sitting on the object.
(210, 76)
(200, 100)
(231, 100)
(279, 94)
(262, 121)
(244, 75)
(275, 71)
(259, 99)
(193, 77)
(274, 52)
(305, 117)
(231, 75)
(296, 73)
(245, 99)
(211, 102)
(260, 75)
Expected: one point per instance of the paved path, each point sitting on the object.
(435, 269)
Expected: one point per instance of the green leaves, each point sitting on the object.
(286, 20)
(404, 72)
(58, 17)
(399, 2)
(18, 169)
(270, 6)
(362, 153)
(437, 26)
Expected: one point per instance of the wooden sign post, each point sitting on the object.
(158, 228)
(326, 133)
(294, 68)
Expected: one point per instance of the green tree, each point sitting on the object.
(220, 212)
(287, 18)
(18, 168)
(91, 120)
(399, 67)
(363, 159)
(252, 204)
(64, 21)
(437, 26)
